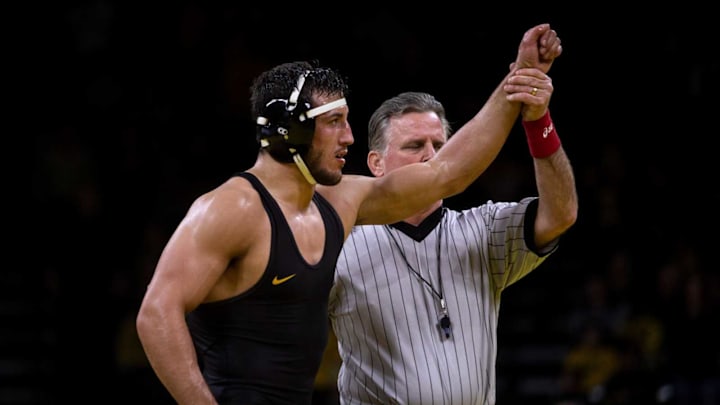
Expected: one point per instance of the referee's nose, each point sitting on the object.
(428, 151)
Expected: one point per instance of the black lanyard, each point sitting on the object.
(444, 321)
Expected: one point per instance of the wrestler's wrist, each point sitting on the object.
(542, 137)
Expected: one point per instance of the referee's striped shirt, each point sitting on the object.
(385, 316)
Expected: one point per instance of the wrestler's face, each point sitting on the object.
(326, 156)
(411, 138)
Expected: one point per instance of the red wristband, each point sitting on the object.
(541, 136)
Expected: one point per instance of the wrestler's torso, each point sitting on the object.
(265, 344)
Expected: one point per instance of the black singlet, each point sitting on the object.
(265, 345)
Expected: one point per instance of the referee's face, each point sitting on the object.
(411, 138)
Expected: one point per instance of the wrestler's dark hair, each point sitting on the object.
(284, 129)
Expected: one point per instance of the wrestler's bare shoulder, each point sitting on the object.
(348, 196)
(352, 188)
(232, 200)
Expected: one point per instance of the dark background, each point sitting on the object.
(137, 108)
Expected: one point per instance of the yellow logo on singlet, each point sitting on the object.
(276, 280)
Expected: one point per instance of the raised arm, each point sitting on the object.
(558, 202)
(465, 156)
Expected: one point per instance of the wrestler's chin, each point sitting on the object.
(328, 177)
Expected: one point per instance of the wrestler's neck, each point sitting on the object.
(283, 180)
(418, 218)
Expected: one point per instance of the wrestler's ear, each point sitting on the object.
(375, 163)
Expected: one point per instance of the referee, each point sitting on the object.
(415, 304)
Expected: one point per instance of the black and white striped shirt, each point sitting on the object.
(385, 316)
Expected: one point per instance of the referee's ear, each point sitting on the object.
(375, 163)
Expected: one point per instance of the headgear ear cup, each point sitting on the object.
(282, 132)
(278, 119)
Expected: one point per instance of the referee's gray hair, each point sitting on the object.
(403, 103)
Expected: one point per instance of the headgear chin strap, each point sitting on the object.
(287, 128)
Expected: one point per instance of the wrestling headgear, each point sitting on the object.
(287, 127)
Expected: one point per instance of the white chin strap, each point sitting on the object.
(300, 163)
